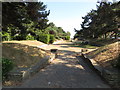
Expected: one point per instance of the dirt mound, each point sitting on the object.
(106, 56)
(23, 53)
(27, 42)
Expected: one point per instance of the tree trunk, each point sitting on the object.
(105, 36)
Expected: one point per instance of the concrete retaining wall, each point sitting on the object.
(111, 77)
(24, 73)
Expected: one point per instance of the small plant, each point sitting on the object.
(6, 36)
(57, 37)
(7, 65)
(67, 37)
(29, 37)
(52, 39)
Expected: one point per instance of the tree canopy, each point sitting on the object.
(101, 23)
(28, 20)
(58, 32)
(18, 17)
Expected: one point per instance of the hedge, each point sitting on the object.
(45, 38)
(67, 37)
(52, 39)
(29, 37)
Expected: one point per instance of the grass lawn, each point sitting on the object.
(93, 43)
(84, 46)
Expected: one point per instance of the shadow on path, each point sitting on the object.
(66, 71)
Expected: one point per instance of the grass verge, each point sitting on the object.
(84, 46)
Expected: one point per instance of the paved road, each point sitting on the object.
(66, 71)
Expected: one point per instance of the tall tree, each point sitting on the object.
(18, 14)
(102, 21)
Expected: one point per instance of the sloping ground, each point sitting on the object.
(27, 42)
(23, 53)
(107, 55)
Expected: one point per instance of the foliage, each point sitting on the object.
(7, 65)
(101, 23)
(52, 39)
(29, 37)
(19, 37)
(6, 36)
(67, 37)
(83, 45)
(58, 32)
(23, 18)
(45, 38)
(57, 37)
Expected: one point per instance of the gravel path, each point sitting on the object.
(66, 71)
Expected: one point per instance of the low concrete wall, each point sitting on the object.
(24, 73)
(111, 77)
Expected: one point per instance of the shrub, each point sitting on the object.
(57, 37)
(67, 37)
(45, 38)
(63, 37)
(19, 37)
(7, 65)
(6, 36)
(29, 37)
(52, 39)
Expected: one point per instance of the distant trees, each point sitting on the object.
(101, 23)
(58, 32)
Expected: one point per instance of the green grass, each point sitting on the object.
(81, 45)
(84, 46)
(93, 43)
(102, 42)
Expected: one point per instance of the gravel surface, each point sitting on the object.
(66, 71)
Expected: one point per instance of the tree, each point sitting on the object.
(22, 16)
(68, 33)
(101, 22)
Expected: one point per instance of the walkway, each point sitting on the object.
(66, 71)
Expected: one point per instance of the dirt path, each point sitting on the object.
(65, 72)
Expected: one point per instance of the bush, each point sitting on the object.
(57, 37)
(7, 65)
(19, 37)
(63, 37)
(29, 37)
(6, 36)
(52, 39)
(67, 37)
(45, 38)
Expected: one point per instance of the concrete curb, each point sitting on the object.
(24, 73)
(92, 64)
(103, 73)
